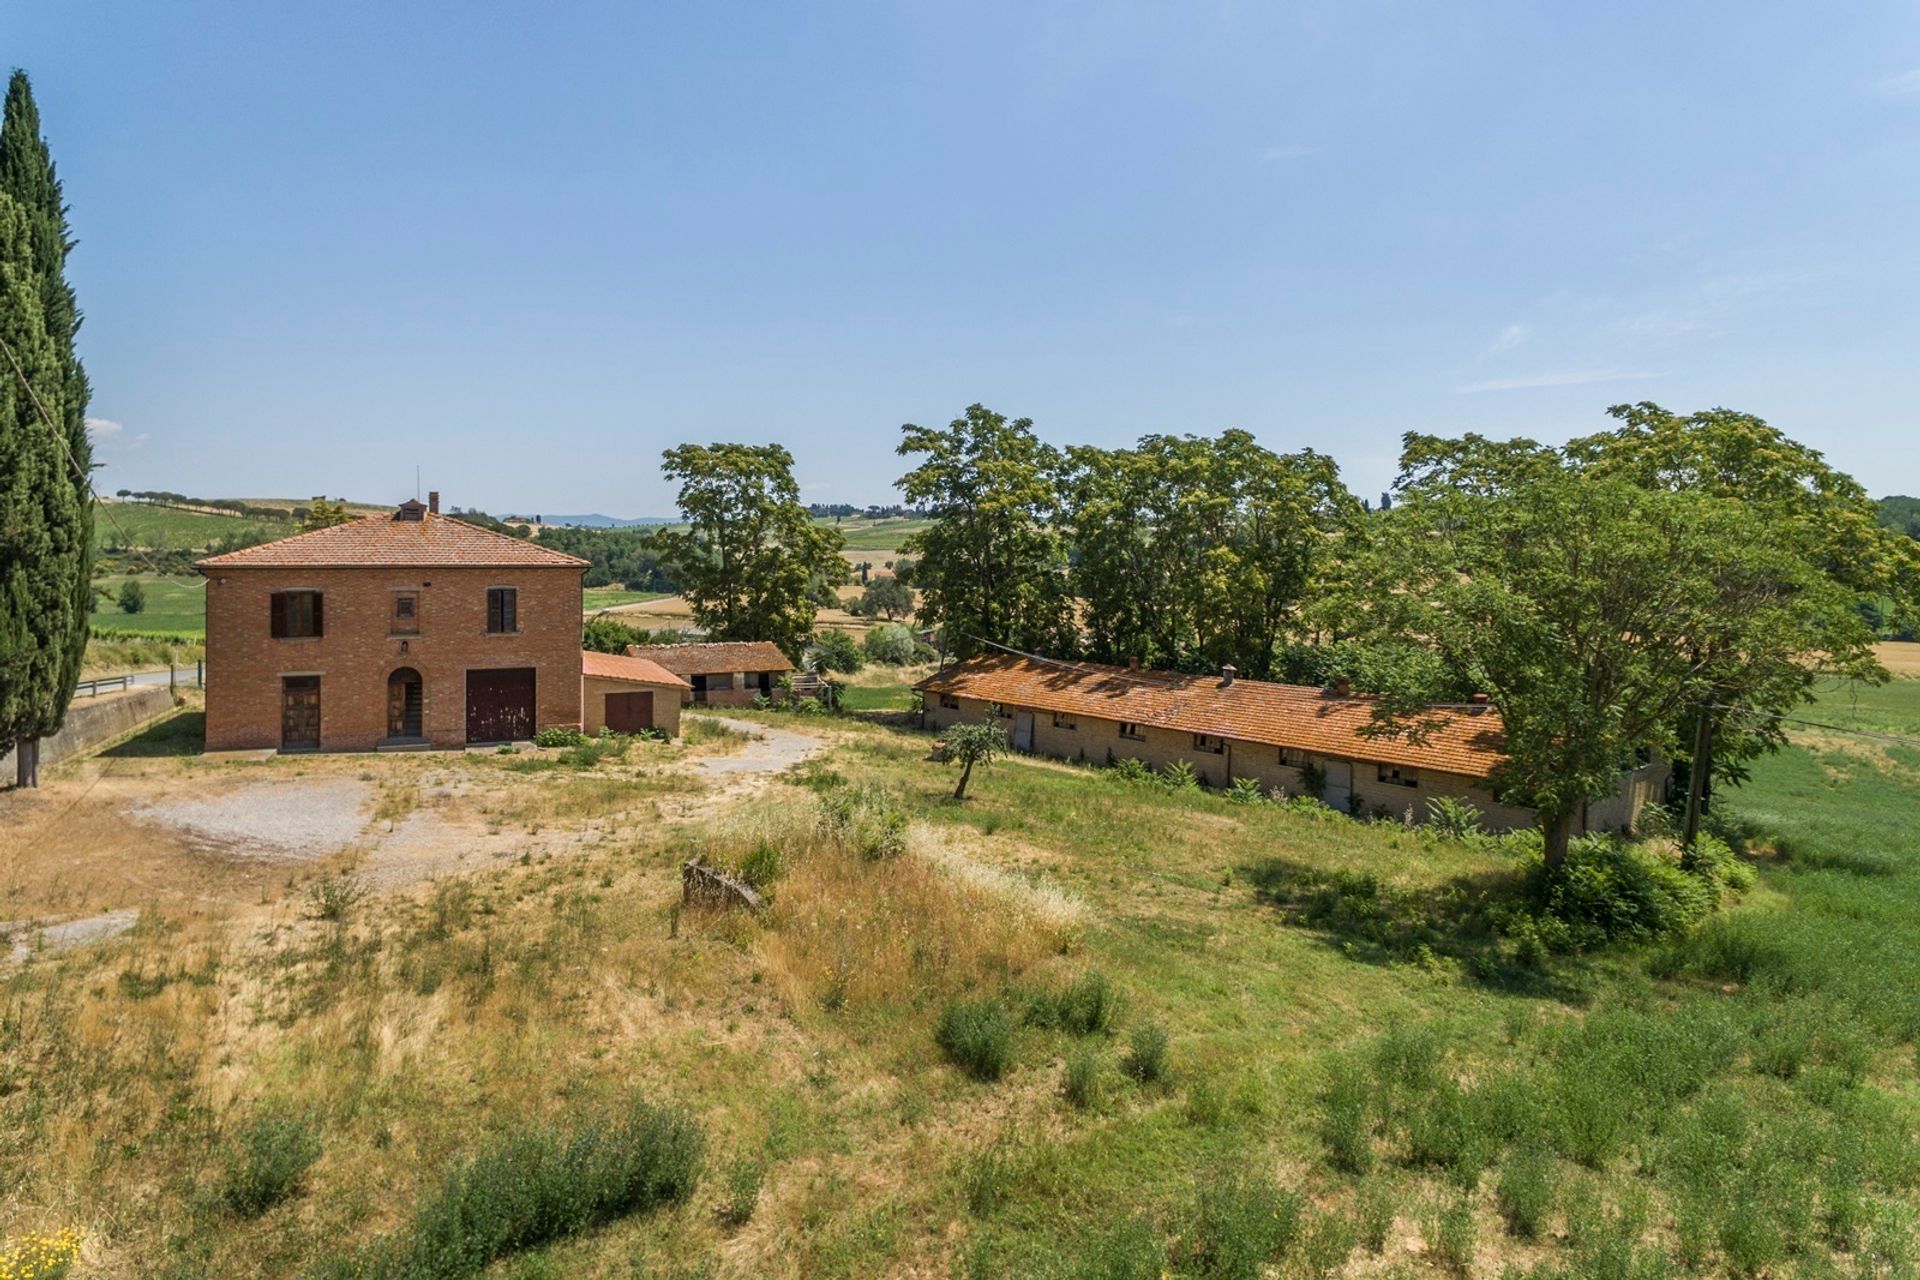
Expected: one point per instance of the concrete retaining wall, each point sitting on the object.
(94, 721)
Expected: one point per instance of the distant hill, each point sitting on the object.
(595, 520)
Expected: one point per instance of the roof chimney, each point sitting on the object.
(1481, 700)
(1133, 664)
(1342, 687)
(433, 501)
(1227, 673)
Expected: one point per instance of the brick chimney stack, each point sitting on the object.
(433, 501)
(1342, 687)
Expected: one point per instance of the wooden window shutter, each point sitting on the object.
(318, 628)
(277, 615)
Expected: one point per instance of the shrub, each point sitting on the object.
(539, 1185)
(1451, 819)
(1526, 1192)
(1608, 889)
(1089, 1004)
(1245, 791)
(1146, 1059)
(762, 865)
(1205, 1107)
(333, 898)
(1313, 780)
(834, 651)
(978, 1036)
(890, 645)
(1239, 1224)
(1179, 776)
(269, 1158)
(1376, 1216)
(1132, 769)
(559, 736)
(1453, 1236)
(744, 1178)
(133, 596)
(1347, 1121)
(987, 1177)
(1081, 1080)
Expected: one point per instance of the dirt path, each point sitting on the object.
(771, 751)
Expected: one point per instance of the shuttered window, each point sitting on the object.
(503, 610)
(292, 614)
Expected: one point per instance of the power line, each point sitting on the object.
(1817, 724)
(86, 480)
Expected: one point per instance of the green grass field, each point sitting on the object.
(157, 528)
(596, 598)
(176, 606)
(1073, 1027)
(876, 535)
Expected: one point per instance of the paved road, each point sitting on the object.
(183, 676)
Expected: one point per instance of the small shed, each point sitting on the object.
(722, 674)
(628, 694)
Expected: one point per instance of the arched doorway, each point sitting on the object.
(403, 704)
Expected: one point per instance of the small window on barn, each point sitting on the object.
(1005, 713)
(1128, 729)
(1394, 775)
(503, 610)
(1212, 744)
(406, 614)
(719, 681)
(293, 614)
(1293, 757)
(949, 703)
(1061, 720)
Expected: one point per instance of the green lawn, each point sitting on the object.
(876, 535)
(142, 525)
(176, 606)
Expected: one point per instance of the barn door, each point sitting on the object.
(299, 713)
(1023, 731)
(1338, 791)
(630, 712)
(500, 704)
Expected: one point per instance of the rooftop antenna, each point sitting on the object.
(416, 482)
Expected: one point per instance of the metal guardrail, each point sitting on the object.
(91, 688)
(177, 676)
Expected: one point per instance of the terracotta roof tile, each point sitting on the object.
(384, 541)
(706, 659)
(614, 666)
(1282, 715)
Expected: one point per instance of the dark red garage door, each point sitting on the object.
(630, 712)
(500, 704)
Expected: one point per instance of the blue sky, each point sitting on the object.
(527, 247)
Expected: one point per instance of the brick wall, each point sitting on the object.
(1098, 741)
(357, 651)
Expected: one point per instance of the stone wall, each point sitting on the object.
(92, 721)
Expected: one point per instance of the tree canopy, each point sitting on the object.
(750, 552)
(991, 566)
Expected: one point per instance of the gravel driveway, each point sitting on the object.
(772, 751)
(290, 821)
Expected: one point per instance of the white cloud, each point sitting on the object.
(1508, 338)
(100, 430)
(1530, 381)
(1904, 85)
(1291, 151)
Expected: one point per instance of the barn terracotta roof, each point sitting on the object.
(710, 659)
(1282, 715)
(391, 541)
(615, 666)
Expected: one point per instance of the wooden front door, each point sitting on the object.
(630, 712)
(500, 704)
(404, 704)
(299, 713)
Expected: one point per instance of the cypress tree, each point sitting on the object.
(46, 501)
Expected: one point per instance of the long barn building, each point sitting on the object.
(1275, 734)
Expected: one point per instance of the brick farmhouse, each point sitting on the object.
(725, 674)
(1229, 728)
(406, 628)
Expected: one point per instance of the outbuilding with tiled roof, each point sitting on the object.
(1287, 738)
(722, 673)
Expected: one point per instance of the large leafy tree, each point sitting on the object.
(991, 566)
(46, 516)
(1194, 553)
(1595, 609)
(750, 552)
(1823, 515)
